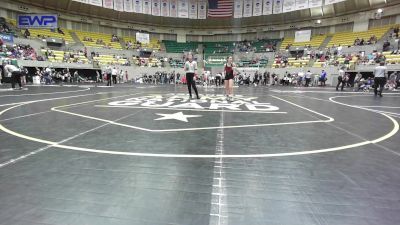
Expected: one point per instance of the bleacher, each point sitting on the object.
(262, 45)
(147, 62)
(130, 39)
(97, 36)
(218, 47)
(13, 22)
(315, 42)
(59, 56)
(176, 47)
(175, 63)
(153, 45)
(347, 38)
(36, 33)
(109, 60)
(249, 63)
(213, 60)
(292, 63)
(391, 58)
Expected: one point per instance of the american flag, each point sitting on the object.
(220, 8)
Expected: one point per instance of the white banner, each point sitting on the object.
(164, 7)
(247, 8)
(257, 7)
(202, 9)
(277, 6)
(155, 7)
(238, 10)
(267, 8)
(328, 2)
(301, 4)
(143, 38)
(193, 9)
(119, 5)
(183, 9)
(314, 3)
(302, 36)
(289, 5)
(137, 6)
(147, 6)
(128, 5)
(109, 4)
(173, 8)
(83, 1)
(96, 2)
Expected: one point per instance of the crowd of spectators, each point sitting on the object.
(360, 42)
(23, 52)
(259, 45)
(4, 28)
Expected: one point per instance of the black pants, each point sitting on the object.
(114, 78)
(217, 81)
(340, 81)
(191, 83)
(379, 82)
(16, 77)
(308, 80)
(109, 80)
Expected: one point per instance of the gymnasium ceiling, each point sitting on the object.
(338, 9)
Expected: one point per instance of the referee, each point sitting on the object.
(379, 78)
(15, 74)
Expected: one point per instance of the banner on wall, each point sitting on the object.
(277, 6)
(143, 38)
(314, 3)
(137, 6)
(257, 7)
(155, 7)
(146, 6)
(267, 7)
(183, 9)
(109, 4)
(96, 2)
(301, 4)
(247, 8)
(202, 9)
(119, 5)
(83, 1)
(329, 2)
(288, 5)
(238, 9)
(173, 8)
(7, 38)
(128, 5)
(302, 36)
(164, 7)
(192, 9)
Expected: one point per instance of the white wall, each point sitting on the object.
(3, 13)
(181, 37)
(398, 19)
(360, 25)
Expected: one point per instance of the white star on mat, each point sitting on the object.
(176, 116)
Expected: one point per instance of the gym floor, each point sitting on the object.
(148, 155)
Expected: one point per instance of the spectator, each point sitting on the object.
(323, 78)
(60, 31)
(27, 33)
(386, 46)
